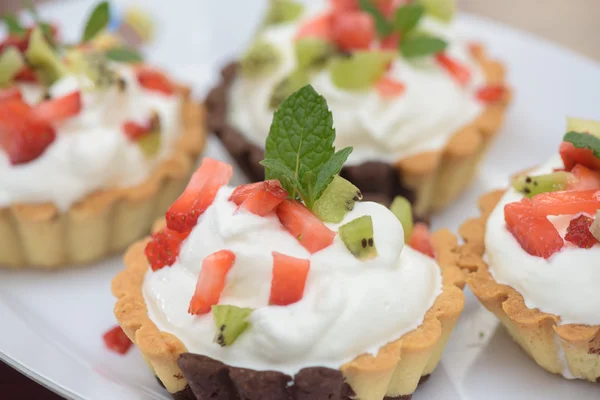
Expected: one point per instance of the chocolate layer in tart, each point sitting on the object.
(378, 181)
(211, 379)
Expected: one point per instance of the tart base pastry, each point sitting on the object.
(571, 349)
(104, 222)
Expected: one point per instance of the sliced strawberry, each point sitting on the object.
(27, 74)
(353, 30)
(134, 130)
(389, 88)
(289, 279)
(420, 239)
(312, 234)
(579, 232)
(242, 192)
(211, 281)
(391, 42)
(458, 71)
(163, 249)
(117, 341)
(19, 41)
(566, 202)
(60, 108)
(344, 5)
(572, 155)
(22, 135)
(11, 93)
(491, 93)
(585, 178)
(537, 236)
(265, 198)
(318, 27)
(154, 80)
(198, 195)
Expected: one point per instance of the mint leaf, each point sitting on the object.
(384, 28)
(278, 170)
(97, 21)
(407, 17)
(13, 25)
(332, 167)
(422, 45)
(123, 54)
(584, 141)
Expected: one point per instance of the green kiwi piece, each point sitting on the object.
(402, 209)
(231, 321)
(93, 65)
(43, 59)
(583, 126)
(261, 59)
(150, 143)
(282, 11)
(296, 80)
(357, 235)
(443, 10)
(532, 185)
(337, 199)
(11, 62)
(360, 70)
(312, 52)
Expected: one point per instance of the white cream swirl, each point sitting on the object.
(90, 151)
(566, 284)
(349, 306)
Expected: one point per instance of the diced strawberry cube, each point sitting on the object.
(242, 192)
(211, 281)
(265, 198)
(536, 235)
(60, 108)
(154, 80)
(117, 341)
(389, 88)
(163, 249)
(572, 155)
(566, 202)
(11, 93)
(390, 42)
(491, 93)
(420, 239)
(319, 27)
(353, 30)
(289, 279)
(198, 195)
(344, 5)
(312, 234)
(585, 178)
(458, 71)
(27, 74)
(579, 232)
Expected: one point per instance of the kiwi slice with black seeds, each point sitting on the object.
(357, 235)
(42, 57)
(231, 322)
(337, 199)
(261, 59)
(402, 209)
(531, 185)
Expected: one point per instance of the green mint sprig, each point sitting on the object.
(97, 21)
(584, 141)
(123, 54)
(299, 149)
(13, 25)
(383, 26)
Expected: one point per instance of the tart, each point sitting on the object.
(91, 149)
(270, 291)
(419, 104)
(540, 243)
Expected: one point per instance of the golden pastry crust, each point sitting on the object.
(538, 333)
(104, 222)
(394, 371)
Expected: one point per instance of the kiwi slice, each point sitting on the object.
(583, 126)
(357, 235)
(296, 80)
(402, 209)
(261, 59)
(360, 70)
(231, 321)
(337, 199)
(443, 10)
(282, 11)
(312, 52)
(533, 185)
(93, 65)
(11, 62)
(43, 59)
(150, 143)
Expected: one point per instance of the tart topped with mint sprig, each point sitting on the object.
(290, 286)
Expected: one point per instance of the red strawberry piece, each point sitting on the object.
(19, 41)
(211, 281)
(117, 341)
(390, 42)
(11, 93)
(491, 93)
(566, 202)
(312, 234)
(572, 155)
(353, 30)
(27, 74)
(154, 80)
(60, 108)
(579, 233)
(134, 130)
(585, 178)
(23, 136)
(389, 87)
(318, 27)
(475, 48)
(289, 279)
(242, 192)
(344, 5)
(537, 236)
(458, 71)
(420, 239)
(163, 248)
(198, 195)
(265, 198)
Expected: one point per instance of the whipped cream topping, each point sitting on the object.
(423, 118)
(349, 307)
(90, 151)
(565, 285)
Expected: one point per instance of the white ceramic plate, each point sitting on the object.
(52, 323)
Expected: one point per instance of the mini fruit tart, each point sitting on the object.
(289, 288)
(419, 104)
(541, 244)
(91, 148)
